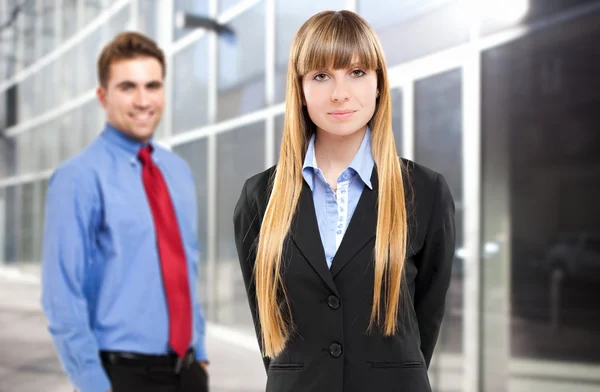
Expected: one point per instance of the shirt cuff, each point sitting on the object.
(200, 349)
(94, 380)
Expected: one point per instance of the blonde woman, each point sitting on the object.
(345, 249)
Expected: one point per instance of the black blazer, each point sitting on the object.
(330, 349)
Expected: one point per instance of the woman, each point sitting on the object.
(345, 249)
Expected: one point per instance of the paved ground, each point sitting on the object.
(28, 362)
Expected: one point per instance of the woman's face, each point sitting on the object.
(340, 101)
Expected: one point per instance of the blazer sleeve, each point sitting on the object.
(435, 267)
(246, 228)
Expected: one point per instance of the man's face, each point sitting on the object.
(133, 98)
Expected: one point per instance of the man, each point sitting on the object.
(120, 243)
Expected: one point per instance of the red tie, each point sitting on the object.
(172, 256)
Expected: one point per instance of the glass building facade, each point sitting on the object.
(501, 97)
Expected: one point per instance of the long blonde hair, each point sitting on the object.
(331, 39)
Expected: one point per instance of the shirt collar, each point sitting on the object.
(115, 137)
(362, 162)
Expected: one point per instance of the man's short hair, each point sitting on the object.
(127, 46)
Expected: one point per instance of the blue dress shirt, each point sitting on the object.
(334, 209)
(101, 279)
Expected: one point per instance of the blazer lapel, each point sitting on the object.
(362, 227)
(305, 234)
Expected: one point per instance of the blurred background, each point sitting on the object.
(501, 97)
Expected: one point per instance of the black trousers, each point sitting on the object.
(132, 377)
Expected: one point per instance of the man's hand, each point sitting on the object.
(204, 365)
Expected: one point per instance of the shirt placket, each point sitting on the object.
(342, 211)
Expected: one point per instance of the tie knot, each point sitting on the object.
(144, 154)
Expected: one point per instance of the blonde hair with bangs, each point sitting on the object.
(331, 39)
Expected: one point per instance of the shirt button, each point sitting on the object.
(333, 302)
(339, 232)
(335, 350)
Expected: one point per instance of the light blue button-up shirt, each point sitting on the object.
(334, 209)
(101, 280)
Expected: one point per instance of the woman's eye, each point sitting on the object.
(358, 73)
(320, 77)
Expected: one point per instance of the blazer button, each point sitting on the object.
(335, 350)
(333, 302)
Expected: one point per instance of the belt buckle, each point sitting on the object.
(184, 362)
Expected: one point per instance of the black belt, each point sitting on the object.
(171, 361)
